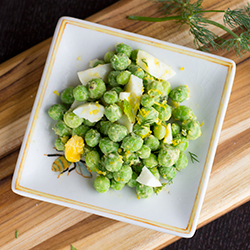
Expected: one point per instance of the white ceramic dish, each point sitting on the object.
(174, 211)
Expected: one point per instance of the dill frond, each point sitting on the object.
(192, 14)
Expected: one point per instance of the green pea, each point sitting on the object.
(120, 61)
(62, 129)
(113, 112)
(112, 78)
(132, 182)
(57, 111)
(92, 159)
(101, 184)
(109, 174)
(133, 55)
(180, 142)
(136, 70)
(88, 123)
(104, 127)
(117, 132)
(191, 129)
(156, 89)
(179, 94)
(72, 120)
(167, 173)
(86, 150)
(155, 172)
(175, 128)
(96, 88)
(80, 93)
(80, 130)
(113, 162)
(132, 143)
(107, 146)
(64, 139)
(144, 152)
(164, 110)
(147, 100)
(124, 174)
(117, 89)
(147, 80)
(101, 167)
(182, 162)
(159, 131)
(151, 161)
(111, 97)
(142, 130)
(152, 142)
(183, 113)
(147, 115)
(116, 185)
(123, 77)
(123, 48)
(108, 56)
(143, 191)
(92, 137)
(168, 156)
(67, 96)
(137, 168)
(59, 145)
(98, 62)
(130, 158)
(166, 88)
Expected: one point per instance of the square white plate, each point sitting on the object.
(174, 211)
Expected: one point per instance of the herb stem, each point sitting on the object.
(155, 19)
(219, 26)
(207, 11)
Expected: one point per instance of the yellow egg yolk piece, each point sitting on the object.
(74, 148)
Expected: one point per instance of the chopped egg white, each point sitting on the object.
(134, 86)
(168, 137)
(90, 111)
(100, 71)
(132, 93)
(147, 178)
(124, 96)
(154, 66)
(126, 123)
(75, 104)
(124, 119)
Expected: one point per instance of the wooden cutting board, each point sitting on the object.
(46, 226)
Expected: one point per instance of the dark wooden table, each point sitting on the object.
(25, 23)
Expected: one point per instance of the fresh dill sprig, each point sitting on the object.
(192, 14)
(193, 157)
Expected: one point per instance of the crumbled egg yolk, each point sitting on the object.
(74, 148)
(182, 68)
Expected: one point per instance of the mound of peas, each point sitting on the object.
(115, 155)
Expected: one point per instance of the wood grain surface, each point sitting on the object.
(46, 226)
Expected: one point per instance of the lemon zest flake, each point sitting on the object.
(56, 93)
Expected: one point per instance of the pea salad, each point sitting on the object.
(125, 122)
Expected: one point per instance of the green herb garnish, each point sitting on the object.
(144, 61)
(192, 14)
(193, 156)
(16, 234)
(72, 248)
